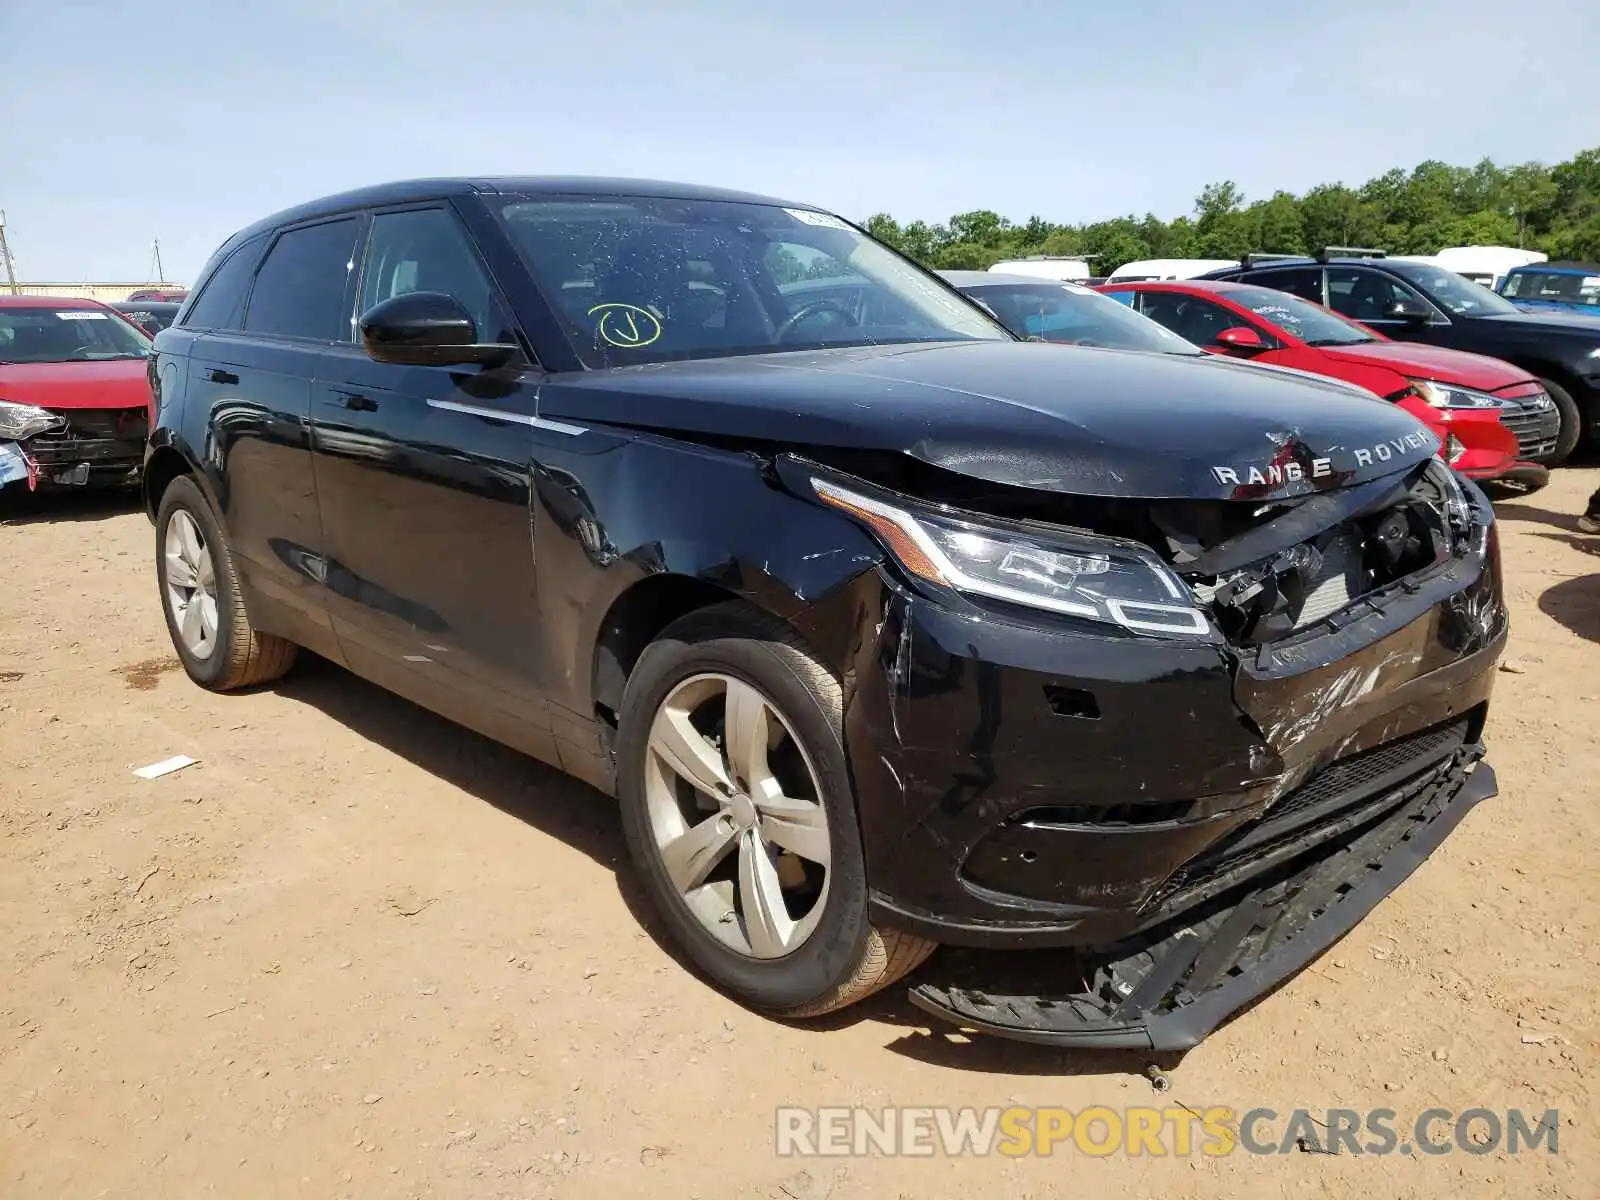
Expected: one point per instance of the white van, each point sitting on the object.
(1168, 268)
(1487, 265)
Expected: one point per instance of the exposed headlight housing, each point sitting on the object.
(1448, 395)
(1096, 579)
(19, 421)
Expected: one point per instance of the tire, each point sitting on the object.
(844, 957)
(236, 656)
(1572, 429)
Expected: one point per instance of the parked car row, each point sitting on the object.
(1493, 421)
(1416, 302)
(1457, 381)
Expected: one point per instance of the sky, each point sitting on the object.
(183, 121)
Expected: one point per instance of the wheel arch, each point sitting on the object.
(634, 619)
(166, 460)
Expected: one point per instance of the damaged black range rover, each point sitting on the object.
(886, 629)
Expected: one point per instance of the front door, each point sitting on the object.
(423, 482)
(1365, 295)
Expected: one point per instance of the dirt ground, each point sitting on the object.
(356, 951)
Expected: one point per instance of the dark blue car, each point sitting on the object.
(1555, 287)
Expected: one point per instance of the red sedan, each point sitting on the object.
(1489, 415)
(74, 396)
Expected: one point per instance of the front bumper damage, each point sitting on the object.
(1166, 989)
(1161, 830)
(92, 448)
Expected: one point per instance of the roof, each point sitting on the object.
(965, 279)
(1219, 286)
(55, 302)
(403, 191)
(1575, 268)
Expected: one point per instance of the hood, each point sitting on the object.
(1417, 361)
(1055, 418)
(115, 383)
(1550, 323)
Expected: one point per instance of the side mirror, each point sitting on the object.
(1240, 339)
(427, 329)
(1412, 312)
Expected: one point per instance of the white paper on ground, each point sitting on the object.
(166, 767)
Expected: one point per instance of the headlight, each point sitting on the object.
(18, 421)
(1115, 583)
(1447, 395)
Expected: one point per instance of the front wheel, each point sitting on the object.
(1571, 431)
(740, 817)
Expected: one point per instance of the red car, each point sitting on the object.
(74, 396)
(1494, 420)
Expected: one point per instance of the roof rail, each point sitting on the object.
(1328, 252)
(1250, 260)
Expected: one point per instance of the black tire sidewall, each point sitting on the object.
(183, 495)
(830, 956)
(1572, 424)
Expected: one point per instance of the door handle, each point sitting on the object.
(355, 401)
(219, 376)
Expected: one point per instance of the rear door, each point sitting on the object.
(423, 478)
(1199, 320)
(254, 382)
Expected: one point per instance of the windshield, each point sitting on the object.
(645, 279)
(1055, 312)
(45, 335)
(1311, 323)
(1451, 292)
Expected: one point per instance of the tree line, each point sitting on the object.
(1551, 208)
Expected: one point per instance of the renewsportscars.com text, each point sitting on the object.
(1177, 1131)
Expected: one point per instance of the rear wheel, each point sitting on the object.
(210, 630)
(740, 816)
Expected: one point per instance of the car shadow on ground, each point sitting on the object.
(557, 805)
(19, 506)
(1529, 514)
(1575, 602)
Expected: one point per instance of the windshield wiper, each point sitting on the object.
(1341, 341)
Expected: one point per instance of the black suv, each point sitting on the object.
(1416, 302)
(152, 316)
(886, 628)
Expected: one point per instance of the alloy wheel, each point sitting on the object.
(191, 585)
(736, 815)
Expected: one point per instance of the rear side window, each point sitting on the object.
(1305, 282)
(1191, 318)
(220, 304)
(301, 288)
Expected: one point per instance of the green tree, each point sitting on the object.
(1433, 205)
